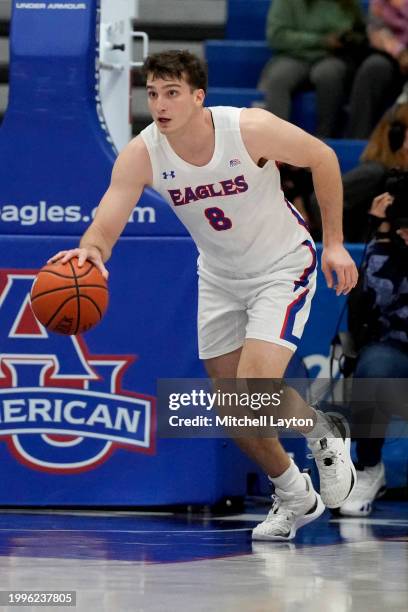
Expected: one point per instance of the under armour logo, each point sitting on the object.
(170, 174)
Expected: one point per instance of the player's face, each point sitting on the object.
(172, 103)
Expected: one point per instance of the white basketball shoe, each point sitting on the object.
(332, 455)
(370, 485)
(289, 512)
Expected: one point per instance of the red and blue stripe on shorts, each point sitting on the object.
(297, 304)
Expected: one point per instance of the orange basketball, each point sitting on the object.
(67, 299)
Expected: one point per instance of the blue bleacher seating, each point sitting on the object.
(234, 70)
(235, 63)
(246, 19)
(348, 151)
(304, 111)
(232, 96)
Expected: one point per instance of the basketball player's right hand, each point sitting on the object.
(84, 254)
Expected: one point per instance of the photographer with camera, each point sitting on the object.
(378, 323)
(387, 148)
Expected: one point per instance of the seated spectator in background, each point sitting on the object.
(378, 323)
(386, 149)
(382, 74)
(316, 45)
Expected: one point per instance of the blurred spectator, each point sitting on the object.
(386, 149)
(316, 45)
(382, 74)
(378, 322)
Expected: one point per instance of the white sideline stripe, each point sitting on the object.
(197, 531)
(243, 517)
(372, 521)
(354, 521)
(79, 513)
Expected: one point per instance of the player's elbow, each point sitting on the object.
(323, 156)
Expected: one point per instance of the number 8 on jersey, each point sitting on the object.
(217, 219)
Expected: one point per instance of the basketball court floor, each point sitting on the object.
(129, 561)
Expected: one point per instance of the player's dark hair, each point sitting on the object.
(176, 65)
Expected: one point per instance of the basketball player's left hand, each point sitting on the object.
(335, 259)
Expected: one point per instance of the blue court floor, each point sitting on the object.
(152, 562)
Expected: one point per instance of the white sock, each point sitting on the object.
(290, 480)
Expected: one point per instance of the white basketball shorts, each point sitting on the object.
(273, 306)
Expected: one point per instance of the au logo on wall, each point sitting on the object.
(62, 410)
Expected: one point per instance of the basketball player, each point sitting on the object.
(257, 266)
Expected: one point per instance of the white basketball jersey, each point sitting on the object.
(234, 210)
